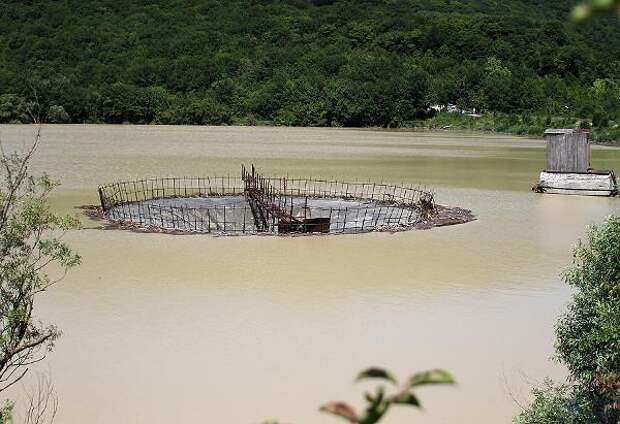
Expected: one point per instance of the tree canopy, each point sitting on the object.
(303, 62)
(587, 338)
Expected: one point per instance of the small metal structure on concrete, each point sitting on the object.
(254, 204)
(568, 167)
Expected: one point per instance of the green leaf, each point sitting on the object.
(406, 398)
(430, 377)
(375, 372)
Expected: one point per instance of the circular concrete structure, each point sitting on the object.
(254, 204)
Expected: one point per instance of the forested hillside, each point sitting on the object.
(296, 62)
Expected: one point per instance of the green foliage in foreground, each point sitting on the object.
(6, 413)
(33, 257)
(304, 62)
(588, 338)
(589, 8)
(378, 403)
(555, 404)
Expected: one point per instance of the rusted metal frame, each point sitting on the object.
(259, 192)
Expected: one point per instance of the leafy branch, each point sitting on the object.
(30, 244)
(589, 8)
(378, 403)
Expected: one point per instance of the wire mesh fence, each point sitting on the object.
(226, 205)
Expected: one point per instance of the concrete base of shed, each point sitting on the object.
(592, 183)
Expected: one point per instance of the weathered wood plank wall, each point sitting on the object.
(567, 150)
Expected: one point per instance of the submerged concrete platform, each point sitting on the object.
(591, 183)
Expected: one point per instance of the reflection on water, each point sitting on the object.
(162, 328)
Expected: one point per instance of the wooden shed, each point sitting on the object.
(568, 167)
(568, 150)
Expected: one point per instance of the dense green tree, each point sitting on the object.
(588, 338)
(304, 62)
(13, 108)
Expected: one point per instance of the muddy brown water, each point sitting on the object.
(163, 328)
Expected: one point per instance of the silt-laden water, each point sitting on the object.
(162, 328)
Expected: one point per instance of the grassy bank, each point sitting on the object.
(523, 124)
